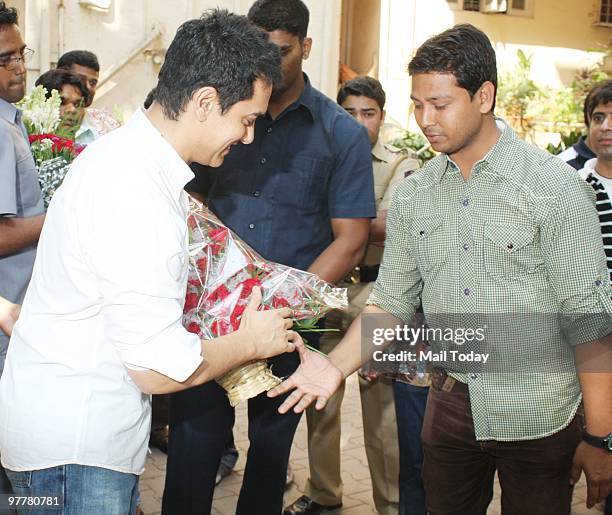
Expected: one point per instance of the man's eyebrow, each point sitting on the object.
(433, 99)
(285, 47)
(11, 52)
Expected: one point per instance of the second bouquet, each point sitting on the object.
(222, 273)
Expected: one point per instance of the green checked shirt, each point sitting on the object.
(519, 246)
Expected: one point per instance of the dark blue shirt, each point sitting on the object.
(577, 155)
(309, 165)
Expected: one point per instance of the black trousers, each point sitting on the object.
(201, 420)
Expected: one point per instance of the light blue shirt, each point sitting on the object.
(19, 197)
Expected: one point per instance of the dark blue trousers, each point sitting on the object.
(201, 421)
(410, 403)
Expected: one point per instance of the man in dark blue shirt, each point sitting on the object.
(301, 194)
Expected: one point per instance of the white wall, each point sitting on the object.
(115, 34)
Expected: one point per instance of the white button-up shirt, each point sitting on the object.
(106, 295)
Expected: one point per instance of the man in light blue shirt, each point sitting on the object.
(21, 206)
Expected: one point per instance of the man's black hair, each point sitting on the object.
(221, 50)
(600, 94)
(463, 51)
(55, 79)
(81, 57)
(363, 87)
(292, 16)
(149, 99)
(8, 15)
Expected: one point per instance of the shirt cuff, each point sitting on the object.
(176, 356)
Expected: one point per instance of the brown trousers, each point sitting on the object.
(458, 470)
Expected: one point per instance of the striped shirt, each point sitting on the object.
(603, 190)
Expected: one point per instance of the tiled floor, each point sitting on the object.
(357, 489)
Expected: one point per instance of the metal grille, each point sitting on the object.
(473, 5)
(605, 11)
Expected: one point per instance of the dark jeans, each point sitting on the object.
(458, 470)
(410, 403)
(201, 421)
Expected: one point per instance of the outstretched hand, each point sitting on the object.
(315, 380)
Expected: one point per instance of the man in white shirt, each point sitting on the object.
(100, 327)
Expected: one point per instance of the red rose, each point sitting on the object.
(280, 302)
(191, 301)
(194, 328)
(247, 287)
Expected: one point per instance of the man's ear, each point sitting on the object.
(306, 48)
(204, 101)
(382, 118)
(486, 97)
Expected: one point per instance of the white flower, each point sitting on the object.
(41, 115)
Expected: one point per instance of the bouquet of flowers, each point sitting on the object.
(52, 153)
(222, 273)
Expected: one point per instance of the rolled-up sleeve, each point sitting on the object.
(8, 175)
(351, 186)
(137, 247)
(575, 260)
(398, 287)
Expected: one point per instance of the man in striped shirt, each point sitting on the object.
(598, 171)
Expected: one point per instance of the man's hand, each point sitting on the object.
(9, 313)
(597, 466)
(268, 331)
(316, 379)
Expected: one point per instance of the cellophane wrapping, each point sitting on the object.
(222, 273)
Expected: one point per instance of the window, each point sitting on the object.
(521, 7)
(605, 12)
(512, 7)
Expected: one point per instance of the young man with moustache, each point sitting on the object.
(302, 195)
(492, 226)
(364, 99)
(84, 64)
(100, 327)
(598, 171)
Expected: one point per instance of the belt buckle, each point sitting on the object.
(354, 276)
(448, 384)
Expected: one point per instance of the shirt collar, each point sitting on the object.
(8, 111)
(306, 99)
(583, 150)
(380, 152)
(172, 166)
(493, 160)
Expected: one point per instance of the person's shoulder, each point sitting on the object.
(333, 116)
(424, 180)
(545, 175)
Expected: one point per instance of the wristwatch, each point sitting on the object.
(601, 442)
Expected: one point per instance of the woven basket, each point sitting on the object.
(248, 381)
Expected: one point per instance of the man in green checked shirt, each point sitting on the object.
(491, 228)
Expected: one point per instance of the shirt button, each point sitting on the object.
(263, 161)
(269, 130)
(473, 376)
(251, 226)
(510, 246)
(466, 247)
(467, 291)
(256, 193)
(598, 283)
(466, 202)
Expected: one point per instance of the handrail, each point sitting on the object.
(116, 68)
